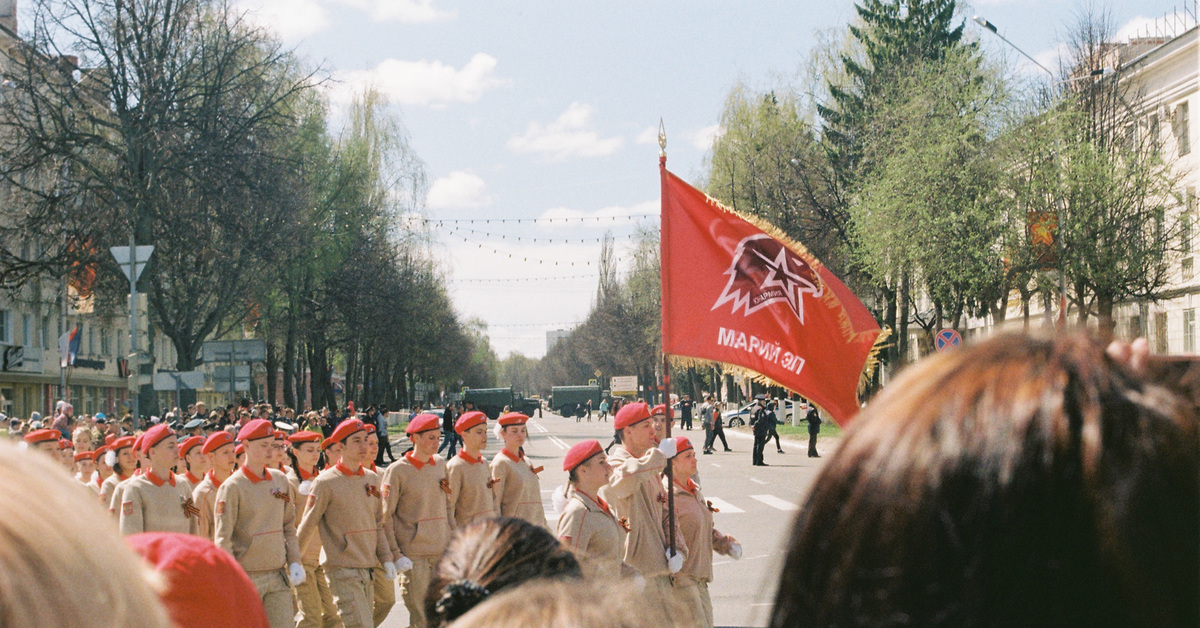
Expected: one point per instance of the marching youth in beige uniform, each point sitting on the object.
(385, 587)
(313, 598)
(587, 524)
(417, 511)
(219, 447)
(344, 509)
(471, 493)
(518, 491)
(154, 501)
(636, 494)
(123, 464)
(694, 522)
(256, 524)
(191, 452)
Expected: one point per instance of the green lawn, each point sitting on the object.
(828, 428)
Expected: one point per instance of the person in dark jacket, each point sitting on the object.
(814, 427)
(761, 420)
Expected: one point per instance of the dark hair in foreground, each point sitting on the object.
(1017, 482)
(489, 556)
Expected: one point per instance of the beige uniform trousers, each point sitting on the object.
(413, 585)
(695, 606)
(385, 594)
(276, 597)
(354, 595)
(315, 601)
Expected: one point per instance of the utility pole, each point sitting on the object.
(133, 259)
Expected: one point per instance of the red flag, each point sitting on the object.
(733, 293)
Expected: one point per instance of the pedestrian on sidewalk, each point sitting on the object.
(814, 427)
(685, 412)
(759, 420)
(773, 422)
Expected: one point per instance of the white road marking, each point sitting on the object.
(716, 465)
(538, 426)
(758, 481)
(560, 443)
(723, 505)
(775, 502)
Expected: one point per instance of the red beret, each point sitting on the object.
(122, 443)
(99, 453)
(469, 420)
(344, 430)
(682, 444)
(197, 573)
(41, 436)
(137, 442)
(240, 449)
(513, 418)
(65, 444)
(155, 435)
(256, 429)
(370, 427)
(280, 435)
(423, 423)
(216, 441)
(188, 443)
(580, 453)
(661, 409)
(109, 438)
(629, 414)
(304, 437)
(83, 455)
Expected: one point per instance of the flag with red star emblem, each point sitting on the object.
(737, 291)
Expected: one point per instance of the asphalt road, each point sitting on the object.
(756, 505)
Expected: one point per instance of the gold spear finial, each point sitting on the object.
(662, 139)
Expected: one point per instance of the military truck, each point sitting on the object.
(572, 400)
(492, 401)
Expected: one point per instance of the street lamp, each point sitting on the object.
(1062, 274)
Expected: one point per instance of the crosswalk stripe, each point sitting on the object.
(775, 502)
(723, 506)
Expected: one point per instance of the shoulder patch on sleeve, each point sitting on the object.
(387, 490)
(221, 507)
(312, 500)
(127, 508)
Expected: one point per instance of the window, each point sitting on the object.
(1182, 129)
(1189, 330)
(1160, 333)
(45, 331)
(6, 323)
(1154, 134)
(1186, 267)
(27, 329)
(1185, 232)
(105, 341)
(1135, 327)
(91, 343)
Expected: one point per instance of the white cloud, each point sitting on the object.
(703, 138)
(458, 190)
(647, 136)
(571, 135)
(291, 19)
(406, 11)
(428, 83)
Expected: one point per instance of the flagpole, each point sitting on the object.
(662, 164)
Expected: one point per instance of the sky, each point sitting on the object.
(549, 110)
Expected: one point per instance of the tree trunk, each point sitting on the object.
(902, 319)
(272, 365)
(289, 367)
(1104, 313)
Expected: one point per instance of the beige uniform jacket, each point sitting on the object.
(471, 495)
(694, 523)
(417, 506)
(205, 497)
(343, 512)
(256, 520)
(190, 480)
(517, 489)
(301, 483)
(588, 527)
(636, 495)
(107, 489)
(150, 504)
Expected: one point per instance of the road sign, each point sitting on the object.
(235, 351)
(591, 382)
(947, 339)
(624, 385)
(239, 371)
(239, 385)
(185, 380)
(141, 255)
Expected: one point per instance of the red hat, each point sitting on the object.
(121, 443)
(197, 572)
(631, 413)
(84, 455)
(216, 441)
(137, 442)
(423, 423)
(661, 409)
(370, 428)
(513, 418)
(188, 443)
(280, 435)
(256, 429)
(682, 444)
(109, 438)
(41, 436)
(581, 453)
(155, 435)
(240, 449)
(304, 437)
(469, 420)
(65, 444)
(99, 453)
(344, 430)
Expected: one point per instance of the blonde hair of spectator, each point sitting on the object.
(571, 604)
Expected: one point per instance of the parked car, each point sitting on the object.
(741, 416)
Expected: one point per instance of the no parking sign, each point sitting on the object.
(947, 339)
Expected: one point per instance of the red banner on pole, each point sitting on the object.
(734, 292)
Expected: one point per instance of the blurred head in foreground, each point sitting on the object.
(55, 540)
(571, 604)
(1016, 482)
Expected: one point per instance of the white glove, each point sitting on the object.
(674, 563)
(305, 487)
(667, 446)
(296, 574)
(404, 564)
(639, 582)
(389, 569)
(735, 551)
